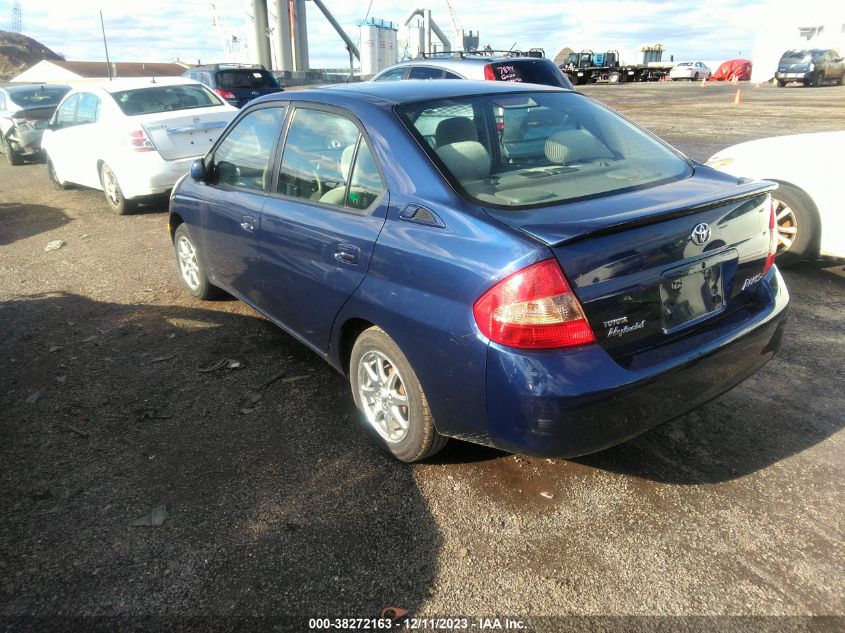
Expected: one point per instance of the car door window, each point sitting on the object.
(425, 72)
(88, 109)
(366, 184)
(448, 75)
(243, 158)
(393, 75)
(66, 114)
(317, 158)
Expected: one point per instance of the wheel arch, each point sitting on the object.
(348, 333)
(815, 243)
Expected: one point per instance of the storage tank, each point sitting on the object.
(369, 49)
(391, 38)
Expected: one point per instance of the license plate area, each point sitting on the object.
(692, 293)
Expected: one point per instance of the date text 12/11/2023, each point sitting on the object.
(405, 621)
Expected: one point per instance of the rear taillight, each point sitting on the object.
(139, 142)
(533, 308)
(773, 237)
(225, 94)
(488, 73)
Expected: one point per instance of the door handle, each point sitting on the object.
(248, 223)
(347, 254)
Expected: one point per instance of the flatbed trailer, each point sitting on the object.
(583, 69)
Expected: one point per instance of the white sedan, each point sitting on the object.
(810, 209)
(132, 138)
(693, 71)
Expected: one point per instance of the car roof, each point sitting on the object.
(119, 85)
(398, 92)
(463, 61)
(13, 88)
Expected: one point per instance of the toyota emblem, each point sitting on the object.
(701, 233)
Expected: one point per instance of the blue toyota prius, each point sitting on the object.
(513, 265)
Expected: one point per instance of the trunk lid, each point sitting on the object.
(644, 269)
(245, 95)
(37, 117)
(179, 135)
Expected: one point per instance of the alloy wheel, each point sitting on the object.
(786, 223)
(188, 265)
(383, 396)
(111, 187)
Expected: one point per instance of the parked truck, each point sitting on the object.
(589, 67)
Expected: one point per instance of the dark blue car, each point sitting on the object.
(507, 264)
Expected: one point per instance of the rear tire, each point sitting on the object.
(54, 178)
(796, 219)
(192, 270)
(390, 398)
(114, 194)
(12, 157)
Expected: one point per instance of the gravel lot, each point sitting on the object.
(280, 509)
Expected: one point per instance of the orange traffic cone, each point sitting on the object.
(738, 97)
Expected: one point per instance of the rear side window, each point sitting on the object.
(243, 158)
(327, 160)
(246, 79)
(165, 99)
(66, 113)
(424, 72)
(89, 108)
(533, 71)
(537, 149)
(393, 75)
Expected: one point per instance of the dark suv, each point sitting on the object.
(812, 67)
(238, 84)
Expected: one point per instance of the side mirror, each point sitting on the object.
(198, 172)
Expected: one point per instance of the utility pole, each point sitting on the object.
(17, 13)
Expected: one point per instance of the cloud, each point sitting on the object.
(162, 30)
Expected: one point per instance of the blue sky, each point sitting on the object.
(162, 30)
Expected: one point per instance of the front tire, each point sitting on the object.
(192, 269)
(796, 221)
(114, 194)
(390, 398)
(781, 83)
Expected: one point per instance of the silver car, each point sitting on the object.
(528, 68)
(25, 110)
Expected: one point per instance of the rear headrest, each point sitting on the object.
(571, 146)
(455, 130)
(467, 160)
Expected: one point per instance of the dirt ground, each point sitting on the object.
(279, 507)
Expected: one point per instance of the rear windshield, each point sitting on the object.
(165, 99)
(798, 56)
(532, 71)
(245, 79)
(38, 96)
(528, 150)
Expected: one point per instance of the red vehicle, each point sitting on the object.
(739, 69)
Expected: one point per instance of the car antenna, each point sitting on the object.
(105, 45)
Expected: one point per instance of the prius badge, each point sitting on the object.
(701, 233)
